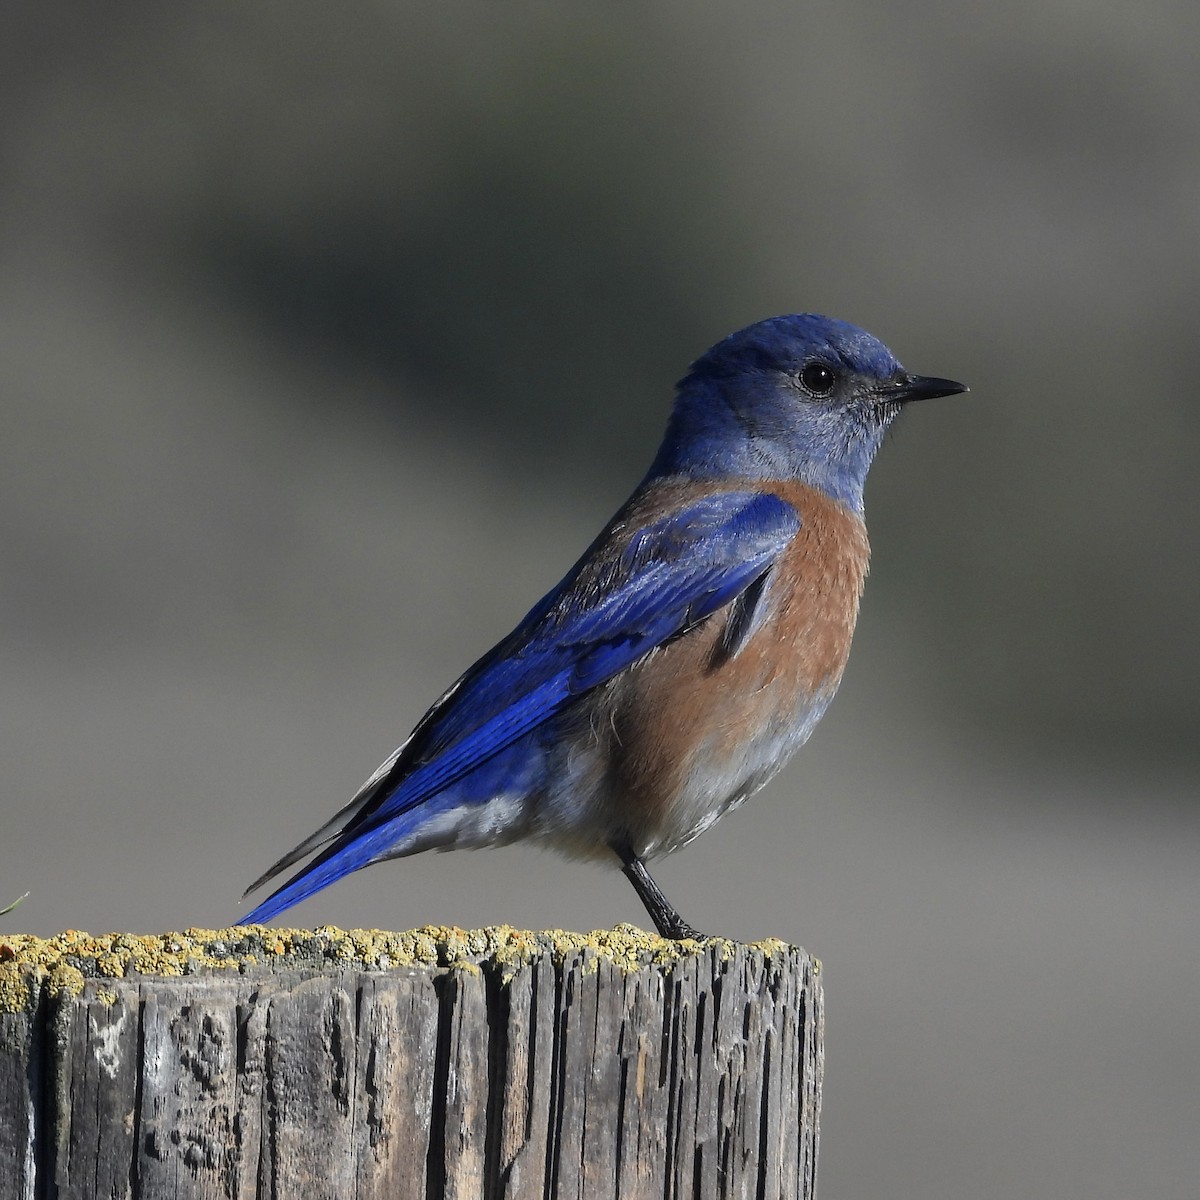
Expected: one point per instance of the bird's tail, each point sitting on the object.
(352, 850)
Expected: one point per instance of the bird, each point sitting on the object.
(685, 656)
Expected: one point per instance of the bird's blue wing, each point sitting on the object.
(613, 609)
(631, 593)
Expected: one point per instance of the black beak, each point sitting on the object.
(919, 387)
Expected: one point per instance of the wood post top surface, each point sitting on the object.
(61, 964)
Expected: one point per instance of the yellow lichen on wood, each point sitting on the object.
(65, 961)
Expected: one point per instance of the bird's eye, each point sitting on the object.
(817, 378)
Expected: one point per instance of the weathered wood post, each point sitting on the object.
(437, 1063)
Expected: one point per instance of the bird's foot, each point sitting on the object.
(666, 920)
(676, 929)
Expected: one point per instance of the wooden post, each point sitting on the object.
(256, 1062)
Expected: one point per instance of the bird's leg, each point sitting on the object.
(666, 920)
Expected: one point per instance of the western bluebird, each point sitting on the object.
(684, 657)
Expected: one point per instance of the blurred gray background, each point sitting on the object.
(329, 336)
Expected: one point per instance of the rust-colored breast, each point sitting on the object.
(696, 730)
(819, 580)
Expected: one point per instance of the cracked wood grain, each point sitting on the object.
(566, 1075)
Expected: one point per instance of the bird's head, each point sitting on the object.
(799, 397)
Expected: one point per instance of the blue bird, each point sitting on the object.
(684, 657)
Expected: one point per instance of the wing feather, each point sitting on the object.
(631, 593)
